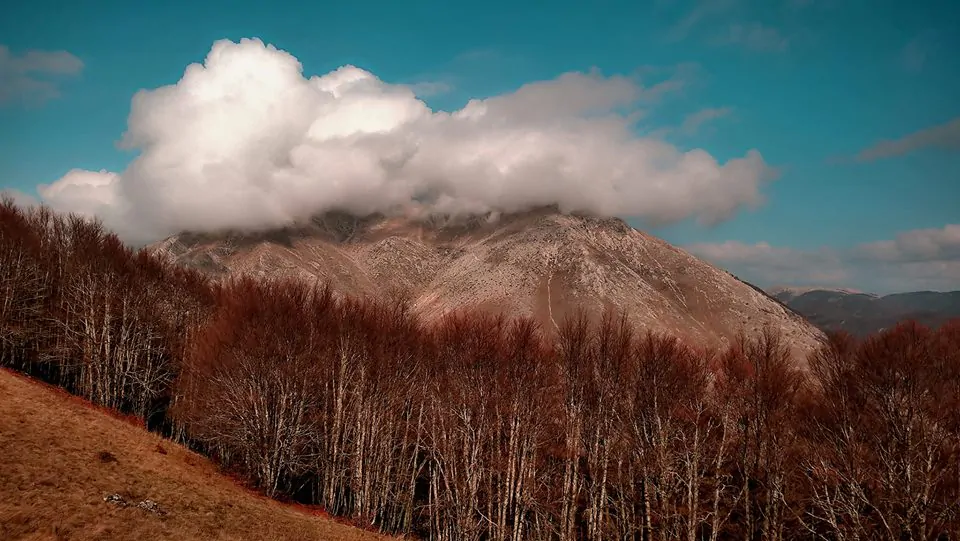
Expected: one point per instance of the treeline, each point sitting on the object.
(481, 428)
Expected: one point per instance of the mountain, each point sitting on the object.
(862, 313)
(62, 457)
(539, 263)
(786, 293)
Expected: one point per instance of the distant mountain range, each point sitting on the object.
(864, 313)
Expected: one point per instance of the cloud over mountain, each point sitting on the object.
(245, 140)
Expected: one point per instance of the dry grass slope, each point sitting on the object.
(53, 480)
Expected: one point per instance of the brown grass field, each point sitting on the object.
(60, 456)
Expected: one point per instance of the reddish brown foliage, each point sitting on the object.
(480, 428)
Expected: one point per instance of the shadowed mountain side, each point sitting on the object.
(861, 314)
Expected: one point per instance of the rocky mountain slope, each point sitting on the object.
(862, 313)
(539, 263)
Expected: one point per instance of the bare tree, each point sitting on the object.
(760, 376)
(253, 380)
(884, 450)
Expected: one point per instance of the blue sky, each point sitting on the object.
(811, 84)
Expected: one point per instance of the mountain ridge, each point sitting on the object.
(862, 314)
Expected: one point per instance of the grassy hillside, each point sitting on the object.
(61, 457)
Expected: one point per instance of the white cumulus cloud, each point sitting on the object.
(90, 193)
(245, 140)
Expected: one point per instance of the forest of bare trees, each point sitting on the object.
(482, 428)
